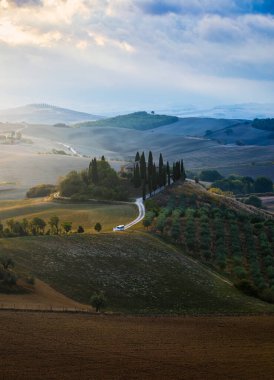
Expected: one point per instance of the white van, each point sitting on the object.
(121, 227)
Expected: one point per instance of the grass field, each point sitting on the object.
(85, 214)
(57, 346)
(137, 272)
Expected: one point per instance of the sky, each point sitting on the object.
(101, 55)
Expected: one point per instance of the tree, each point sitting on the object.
(137, 157)
(38, 226)
(54, 224)
(161, 170)
(183, 173)
(154, 179)
(7, 262)
(98, 227)
(150, 165)
(103, 158)
(67, 226)
(175, 229)
(263, 185)
(10, 224)
(168, 174)
(143, 166)
(136, 176)
(254, 201)
(98, 301)
(144, 191)
(80, 230)
(93, 171)
(210, 175)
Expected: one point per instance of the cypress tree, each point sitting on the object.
(137, 157)
(143, 166)
(144, 190)
(168, 173)
(150, 164)
(183, 173)
(93, 171)
(150, 185)
(178, 170)
(137, 177)
(164, 176)
(154, 178)
(161, 167)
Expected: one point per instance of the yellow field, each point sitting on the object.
(85, 214)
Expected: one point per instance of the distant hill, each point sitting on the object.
(44, 114)
(247, 111)
(141, 121)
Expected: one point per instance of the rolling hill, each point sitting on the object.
(44, 114)
(137, 272)
(138, 120)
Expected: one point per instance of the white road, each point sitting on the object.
(142, 212)
(141, 207)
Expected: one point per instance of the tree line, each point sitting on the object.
(150, 175)
(38, 226)
(98, 181)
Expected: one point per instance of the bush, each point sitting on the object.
(41, 191)
(267, 295)
(240, 272)
(210, 175)
(247, 287)
(263, 185)
(98, 301)
(253, 201)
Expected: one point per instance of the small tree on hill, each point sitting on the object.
(54, 224)
(80, 230)
(67, 226)
(6, 262)
(98, 227)
(98, 301)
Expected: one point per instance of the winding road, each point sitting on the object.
(141, 207)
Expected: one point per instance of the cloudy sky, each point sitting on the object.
(93, 55)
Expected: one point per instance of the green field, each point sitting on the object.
(137, 272)
(85, 214)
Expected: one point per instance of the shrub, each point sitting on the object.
(247, 287)
(240, 272)
(210, 175)
(253, 201)
(98, 301)
(43, 190)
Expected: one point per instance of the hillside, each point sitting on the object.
(235, 240)
(84, 214)
(137, 272)
(44, 114)
(139, 120)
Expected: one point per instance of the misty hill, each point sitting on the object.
(44, 114)
(248, 111)
(138, 120)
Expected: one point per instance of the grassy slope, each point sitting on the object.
(139, 120)
(85, 214)
(136, 271)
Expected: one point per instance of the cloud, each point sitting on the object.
(136, 46)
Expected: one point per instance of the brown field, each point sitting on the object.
(68, 346)
(40, 297)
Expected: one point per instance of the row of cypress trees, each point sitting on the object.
(148, 174)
